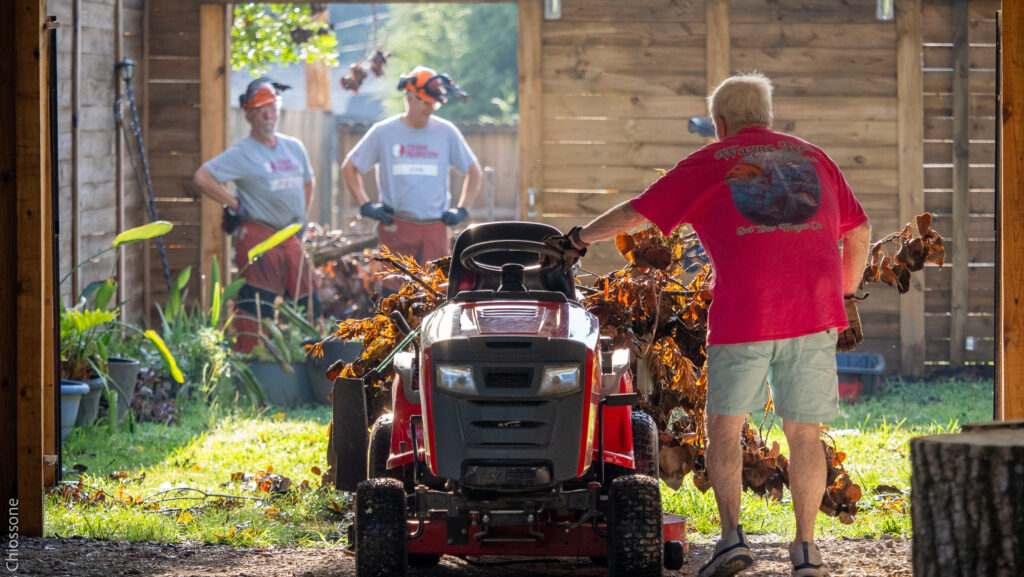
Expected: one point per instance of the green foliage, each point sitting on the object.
(206, 452)
(87, 335)
(475, 44)
(265, 34)
(274, 240)
(80, 337)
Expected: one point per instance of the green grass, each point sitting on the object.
(208, 451)
(875, 435)
(210, 446)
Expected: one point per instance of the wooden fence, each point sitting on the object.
(496, 151)
(905, 106)
(959, 59)
(621, 80)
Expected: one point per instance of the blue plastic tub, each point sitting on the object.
(859, 374)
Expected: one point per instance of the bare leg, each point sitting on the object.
(806, 474)
(725, 466)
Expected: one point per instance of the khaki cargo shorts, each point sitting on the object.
(801, 371)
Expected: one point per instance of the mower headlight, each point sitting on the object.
(560, 379)
(456, 379)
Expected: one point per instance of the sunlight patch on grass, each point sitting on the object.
(128, 487)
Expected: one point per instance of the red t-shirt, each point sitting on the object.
(769, 209)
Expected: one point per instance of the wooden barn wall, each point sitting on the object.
(89, 199)
(173, 135)
(496, 151)
(959, 176)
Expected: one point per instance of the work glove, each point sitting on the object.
(232, 218)
(570, 245)
(454, 216)
(378, 211)
(854, 334)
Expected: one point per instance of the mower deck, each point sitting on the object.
(548, 540)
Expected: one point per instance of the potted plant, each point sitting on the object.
(279, 362)
(81, 360)
(86, 332)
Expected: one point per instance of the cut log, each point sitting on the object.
(967, 501)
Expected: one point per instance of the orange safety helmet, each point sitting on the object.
(430, 86)
(261, 92)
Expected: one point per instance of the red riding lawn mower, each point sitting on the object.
(512, 432)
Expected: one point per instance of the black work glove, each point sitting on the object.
(232, 218)
(570, 245)
(378, 211)
(454, 216)
(854, 334)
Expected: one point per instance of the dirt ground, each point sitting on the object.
(79, 557)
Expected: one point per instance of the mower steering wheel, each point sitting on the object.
(548, 257)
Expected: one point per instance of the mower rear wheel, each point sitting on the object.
(635, 546)
(380, 528)
(645, 449)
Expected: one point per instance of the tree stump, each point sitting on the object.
(967, 501)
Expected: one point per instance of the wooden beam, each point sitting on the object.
(961, 144)
(1011, 211)
(910, 130)
(8, 284)
(213, 87)
(717, 42)
(531, 122)
(33, 195)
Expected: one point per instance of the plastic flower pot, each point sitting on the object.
(70, 398)
(334, 350)
(90, 404)
(124, 373)
(281, 388)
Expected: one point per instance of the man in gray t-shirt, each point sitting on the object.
(412, 152)
(274, 181)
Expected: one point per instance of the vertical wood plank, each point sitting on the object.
(318, 78)
(213, 112)
(1011, 211)
(147, 293)
(961, 144)
(909, 84)
(717, 42)
(32, 195)
(8, 266)
(49, 355)
(531, 122)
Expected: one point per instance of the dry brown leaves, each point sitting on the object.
(658, 310)
(895, 256)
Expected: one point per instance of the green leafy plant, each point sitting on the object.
(85, 332)
(265, 34)
(198, 339)
(79, 342)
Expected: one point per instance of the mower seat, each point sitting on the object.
(464, 281)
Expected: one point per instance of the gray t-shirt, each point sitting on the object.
(412, 164)
(270, 181)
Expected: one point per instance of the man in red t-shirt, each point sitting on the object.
(769, 208)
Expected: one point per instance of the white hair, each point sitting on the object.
(743, 100)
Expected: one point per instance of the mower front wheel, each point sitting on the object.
(380, 528)
(635, 546)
